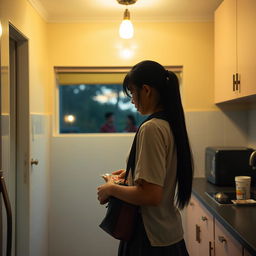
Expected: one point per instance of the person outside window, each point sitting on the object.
(108, 126)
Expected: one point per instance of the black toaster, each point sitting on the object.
(222, 164)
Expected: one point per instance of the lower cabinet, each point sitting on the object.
(205, 236)
(200, 230)
(225, 244)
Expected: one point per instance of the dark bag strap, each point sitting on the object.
(131, 159)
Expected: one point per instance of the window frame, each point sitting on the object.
(101, 69)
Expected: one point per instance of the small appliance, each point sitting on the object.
(222, 164)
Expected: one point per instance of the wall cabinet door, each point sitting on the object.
(225, 244)
(246, 42)
(225, 51)
(235, 55)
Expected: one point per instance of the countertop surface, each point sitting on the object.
(240, 221)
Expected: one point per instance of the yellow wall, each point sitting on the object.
(31, 25)
(98, 44)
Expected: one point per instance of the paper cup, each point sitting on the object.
(243, 186)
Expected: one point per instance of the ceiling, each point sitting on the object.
(111, 10)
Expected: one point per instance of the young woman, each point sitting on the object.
(162, 178)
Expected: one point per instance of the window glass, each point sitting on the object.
(91, 100)
(94, 108)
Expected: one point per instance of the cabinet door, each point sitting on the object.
(206, 224)
(199, 230)
(225, 51)
(246, 42)
(191, 230)
(225, 244)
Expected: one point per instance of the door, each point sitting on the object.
(18, 174)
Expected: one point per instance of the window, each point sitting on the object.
(91, 100)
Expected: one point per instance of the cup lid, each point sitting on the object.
(242, 178)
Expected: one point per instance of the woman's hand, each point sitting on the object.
(118, 176)
(104, 191)
(120, 173)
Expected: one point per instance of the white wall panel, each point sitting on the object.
(78, 161)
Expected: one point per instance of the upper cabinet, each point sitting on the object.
(235, 54)
(246, 45)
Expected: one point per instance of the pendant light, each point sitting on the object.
(126, 28)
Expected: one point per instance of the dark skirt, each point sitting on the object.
(140, 245)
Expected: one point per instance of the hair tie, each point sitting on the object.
(167, 74)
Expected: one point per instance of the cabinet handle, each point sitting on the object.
(198, 239)
(237, 82)
(210, 248)
(222, 239)
(204, 218)
(234, 82)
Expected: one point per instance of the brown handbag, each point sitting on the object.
(120, 219)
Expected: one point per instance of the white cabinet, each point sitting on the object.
(225, 244)
(246, 42)
(205, 236)
(235, 55)
(200, 230)
(191, 231)
(225, 51)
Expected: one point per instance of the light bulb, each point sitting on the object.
(126, 28)
(69, 118)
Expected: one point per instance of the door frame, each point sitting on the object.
(22, 182)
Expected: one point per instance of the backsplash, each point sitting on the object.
(215, 128)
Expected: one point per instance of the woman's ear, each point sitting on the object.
(147, 89)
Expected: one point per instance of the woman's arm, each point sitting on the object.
(143, 193)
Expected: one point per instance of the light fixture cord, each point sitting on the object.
(126, 14)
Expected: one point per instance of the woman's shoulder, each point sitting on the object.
(155, 126)
(155, 123)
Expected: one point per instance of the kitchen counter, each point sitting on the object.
(240, 221)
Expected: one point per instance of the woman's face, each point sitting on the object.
(145, 99)
(139, 99)
(135, 96)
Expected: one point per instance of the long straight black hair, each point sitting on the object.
(166, 84)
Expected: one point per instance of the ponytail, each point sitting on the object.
(167, 85)
(173, 106)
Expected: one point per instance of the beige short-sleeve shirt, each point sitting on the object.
(156, 162)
